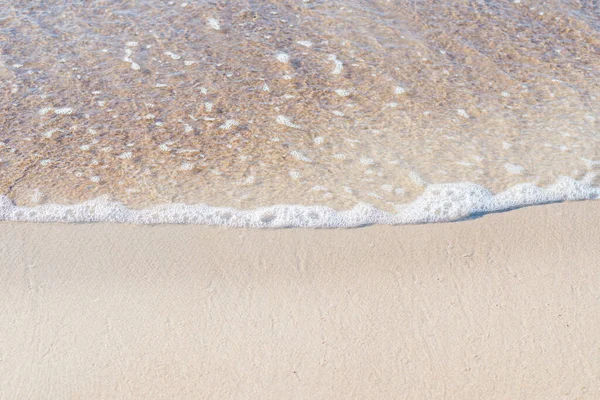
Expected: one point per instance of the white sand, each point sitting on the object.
(503, 307)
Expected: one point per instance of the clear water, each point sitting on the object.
(252, 103)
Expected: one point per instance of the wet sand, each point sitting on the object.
(474, 309)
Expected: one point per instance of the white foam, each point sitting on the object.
(282, 57)
(37, 196)
(338, 65)
(439, 203)
(416, 178)
(299, 156)
(172, 55)
(63, 111)
(514, 169)
(283, 120)
(305, 43)
(214, 23)
(462, 113)
(230, 123)
(295, 175)
(48, 134)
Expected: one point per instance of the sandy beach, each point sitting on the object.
(500, 307)
(220, 199)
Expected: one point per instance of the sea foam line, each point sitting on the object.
(439, 203)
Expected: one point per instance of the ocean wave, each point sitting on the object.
(439, 203)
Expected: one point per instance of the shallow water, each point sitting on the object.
(257, 103)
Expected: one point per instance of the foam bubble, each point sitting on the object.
(172, 55)
(514, 169)
(299, 156)
(165, 146)
(282, 57)
(283, 120)
(214, 24)
(416, 178)
(439, 203)
(367, 161)
(338, 65)
(63, 111)
(230, 123)
(37, 196)
(374, 195)
(48, 134)
(590, 163)
(462, 113)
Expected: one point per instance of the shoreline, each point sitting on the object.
(438, 203)
(501, 306)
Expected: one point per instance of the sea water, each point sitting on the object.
(318, 113)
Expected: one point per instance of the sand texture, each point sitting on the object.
(500, 307)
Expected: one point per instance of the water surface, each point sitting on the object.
(257, 103)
